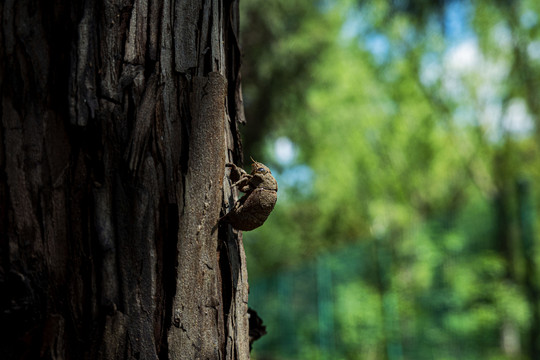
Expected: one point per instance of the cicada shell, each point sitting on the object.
(260, 188)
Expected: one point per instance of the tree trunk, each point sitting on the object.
(117, 117)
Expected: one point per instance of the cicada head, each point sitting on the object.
(259, 168)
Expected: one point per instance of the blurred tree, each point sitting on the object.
(282, 40)
(420, 120)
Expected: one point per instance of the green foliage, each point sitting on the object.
(286, 39)
(408, 145)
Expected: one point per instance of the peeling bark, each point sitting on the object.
(117, 118)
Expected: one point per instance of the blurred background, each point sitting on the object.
(405, 137)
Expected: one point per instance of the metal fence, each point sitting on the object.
(352, 304)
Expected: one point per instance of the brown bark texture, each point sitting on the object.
(117, 119)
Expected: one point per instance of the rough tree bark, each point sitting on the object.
(117, 117)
